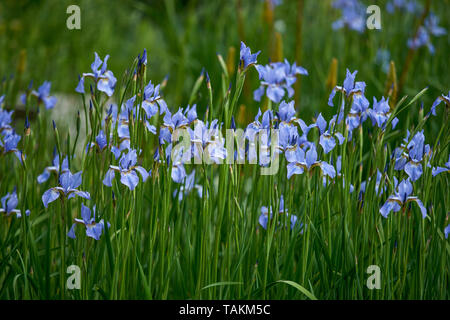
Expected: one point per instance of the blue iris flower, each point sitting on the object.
(104, 79)
(327, 140)
(353, 15)
(349, 87)
(93, 229)
(301, 162)
(128, 171)
(288, 138)
(410, 6)
(188, 186)
(442, 98)
(142, 61)
(9, 205)
(383, 58)
(153, 99)
(43, 95)
(191, 113)
(380, 113)
(9, 145)
(176, 121)
(207, 143)
(264, 217)
(400, 199)
(447, 231)
(68, 188)
(409, 157)
(53, 168)
(100, 142)
(277, 77)
(286, 112)
(438, 170)
(246, 57)
(5, 121)
(358, 113)
(424, 33)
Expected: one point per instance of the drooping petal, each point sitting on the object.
(49, 196)
(263, 219)
(258, 93)
(340, 137)
(178, 173)
(130, 179)
(275, 93)
(436, 171)
(328, 169)
(327, 142)
(85, 214)
(388, 206)
(330, 98)
(44, 176)
(414, 170)
(150, 108)
(143, 172)
(423, 210)
(83, 194)
(71, 233)
(293, 168)
(94, 231)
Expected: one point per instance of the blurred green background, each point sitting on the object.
(182, 37)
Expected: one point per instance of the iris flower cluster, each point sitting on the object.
(360, 109)
(425, 32)
(9, 139)
(353, 15)
(9, 204)
(264, 217)
(206, 143)
(410, 6)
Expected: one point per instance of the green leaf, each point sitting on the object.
(224, 283)
(299, 288)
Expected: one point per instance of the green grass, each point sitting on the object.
(213, 247)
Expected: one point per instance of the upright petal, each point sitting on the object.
(388, 206)
(107, 181)
(71, 233)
